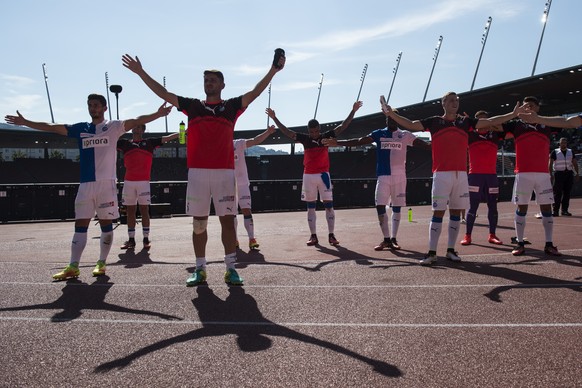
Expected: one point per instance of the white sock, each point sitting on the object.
(383, 219)
(105, 245)
(249, 226)
(78, 246)
(311, 218)
(395, 223)
(201, 262)
(548, 223)
(519, 222)
(436, 225)
(454, 227)
(330, 217)
(230, 260)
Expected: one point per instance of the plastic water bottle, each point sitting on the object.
(409, 214)
(182, 133)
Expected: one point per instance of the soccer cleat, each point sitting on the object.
(493, 239)
(518, 250)
(253, 244)
(197, 278)
(555, 214)
(383, 245)
(71, 271)
(566, 213)
(312, 240)
(394, 243)
(429, 259)
(466, 240)
(129, 244)
(453, 256)
(147, 244)
(99, 269)
(332, 240)
(552, 250)
(538, 216)
(231, 277)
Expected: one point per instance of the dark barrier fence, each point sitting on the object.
(25, 202)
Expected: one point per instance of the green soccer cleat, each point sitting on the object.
(253, 244)
(71, 271)
(232, 278)
(197, 278)
(99, 269)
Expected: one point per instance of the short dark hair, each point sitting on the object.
(313, 123)
(217, 73)
(481, 113)
(532, 99)
(97, 97)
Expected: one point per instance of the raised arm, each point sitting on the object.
(135, 66)
(495, 121)
(340, 128)
(249, 97)
(171, 137)
(261, 137)
(403, 122)
(41, 126)
(333, 142)
(555, 121)
(162, 111)
(287, 132)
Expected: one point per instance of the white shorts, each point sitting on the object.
(99, 198)
(391, 190)
(205, 185)
(243, 194)
(136, 192)
(538, 182)
(450, 188)
(317, 183)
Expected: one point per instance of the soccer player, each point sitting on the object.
(242, 181)
(450, 186)
(210, 159)
(316, 178)
(482, 178)
(97, 192)
(391, 145)
(532, 142)
(138, 155)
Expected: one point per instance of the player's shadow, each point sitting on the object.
(239, 315)
(244, 259)
(78, 296)
(523, 279)
(132, 259)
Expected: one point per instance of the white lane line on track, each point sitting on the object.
(305, 324)
(118, 285)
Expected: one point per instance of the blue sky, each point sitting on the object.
(80, 40)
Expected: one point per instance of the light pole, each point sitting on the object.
(47, 91)
(434, 59)
(395, 71)
(166, 117)
(362, 78)
(483, 41)
(107, 88)
(116, 89)
(544, 21)
(318, 94)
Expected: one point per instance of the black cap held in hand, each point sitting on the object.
(278, 54)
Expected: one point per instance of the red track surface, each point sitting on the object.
(307, 316)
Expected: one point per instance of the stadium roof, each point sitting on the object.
(560, 93)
